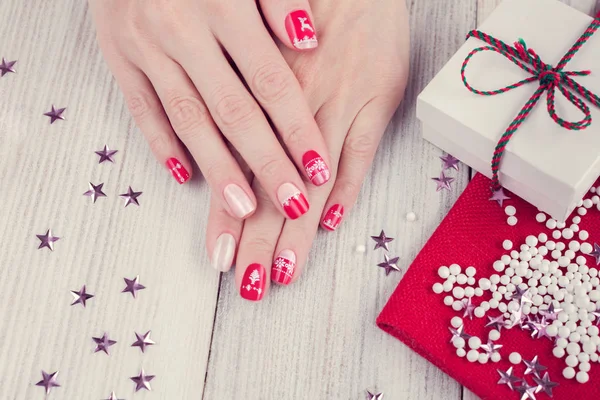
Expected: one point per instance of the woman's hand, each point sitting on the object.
(354, 83)
(172, 58)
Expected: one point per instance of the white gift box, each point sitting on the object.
(547, 165)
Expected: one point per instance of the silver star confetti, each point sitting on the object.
(499, 197)
(496, 323)
(47, 240)
(113, 396)
(132, 286)
(468, 307)
(131, 197)
(517, 319)
(81, 296)
(538, 327)
(95, 191)
(48, 381)
(389, 264)
(449, 162)
(521, 295)
(6, 67)
(534, 367)
(507, 378)
(596, 253)
(103, 343)
(143, 341)
(545, 384)
(459, 333)
(596, 314)
(491, 348)
(106, 154)
(142, 381)
(443, 182)
(374, 396)
(381, 241)
(55, 114)
(526, 391)
(550, 313)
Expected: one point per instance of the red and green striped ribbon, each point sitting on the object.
(550, 79)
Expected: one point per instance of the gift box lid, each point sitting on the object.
(559, 163)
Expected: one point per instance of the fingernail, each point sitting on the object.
(222, 256)
(315, 167)
(178, 170)
(301, 30)
(283, 267)
(238, 200)
(253, 283)
(333, 218)
(292, 200)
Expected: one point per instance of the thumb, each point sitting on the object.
(291, 21)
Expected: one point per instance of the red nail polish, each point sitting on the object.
(315, 167)
(333, 218)
(301, 30)
(292, 200)
(253, 283)
(283, 267)
(178, 170)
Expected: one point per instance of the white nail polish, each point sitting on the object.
(239, 202)
(222, 256)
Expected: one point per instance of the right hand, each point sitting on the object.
(170, 58)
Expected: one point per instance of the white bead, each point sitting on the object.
(459, 342)
(558, 352)
(589, 347)
(448, 300)
(575, 228)
(448, 286)
(473, 355)
(586, 248)
(551, 224)
(588, 203)
(582, 377)
(568, 373)
(531, 241)
(479, 312)
(455, 269)
(573, 348)
(471, 281)
(563, 332)
(563, 261)
(485, 305)
(562, 343)
(474, 342)
(499, 266)
(361, 248)
(461, 279)
(496, 357)
(551, 245)
(571, 360)
(552, 330)
(583, 358)
(483, 358)
(461, 352)
(457, 306)
(581, 211)
(411, 216)
(574, 245)
(525, 256)
(514, 358)
(469, 291)
(485, 283)
(470, 271)
(494, 335)
(478, 292)
(510, 210)
(585, 367)
(560, 225)
(567, 233)
(556, 234)
(438, 288)
(543, 238)
(452, 279)
(540, 217)
(506, 259)
(514, 254)
(584, 235)
(576, 219)
(495, 279)
(444, 272)
(512, 221)
(456, 322)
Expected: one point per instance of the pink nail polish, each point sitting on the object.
(239, 202)
(301, 30)
(253, 282)
(178, 171)
(333, 218)
(292, 200)
(316, 169)
(282, 270)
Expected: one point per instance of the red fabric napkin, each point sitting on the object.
(472, 235)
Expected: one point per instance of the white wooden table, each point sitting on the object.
(316, 339)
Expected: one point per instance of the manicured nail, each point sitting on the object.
(292, 200)
(178, 170)
(222, 256)
(253, 283)
(333, 218)
(315, 167)
(238, 200)
(301, 30)
(283, 267)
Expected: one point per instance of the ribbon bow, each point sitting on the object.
(550, 79)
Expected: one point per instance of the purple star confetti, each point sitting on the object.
(551, 313)
(131, 197)
(389, 264)
(374, 396)
(381, 241)
(143, 341)
(544, 384)
(459, 333)
(113, 396)
(106, 154)
(103, 343)
(507, 378)
(499, 196)
(526, 391)
(449, 162)
(496, 323)
(142, 381)
(55, 114)
(596, 253)
(81, 296)
(443, 182)
(7, 67)
(95, 191)
(48, 381)
(47, 240)
(132, 286)
(468, 307)
(533, 367)
(491, 348)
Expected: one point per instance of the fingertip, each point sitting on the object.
(240, 204)
(284, 265)
(301, 31)
(332, 219)
(178, 170)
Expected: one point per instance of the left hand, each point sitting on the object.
(353, 83)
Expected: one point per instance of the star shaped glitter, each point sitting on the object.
(496, 323)
(103, 343)
(374, 396)
(106, 154)
(142, 381)
(55, 114)
(596, 314)
(381, 241)
(459, 333)
(443, 182)
(596, 253)
(521, 295)
(551, 313)
(48, 381)
(81, 296)
(544, 384)
(534, 367)
(112, 396)
(6, 67)
(490, 347)
(469, 308)
(389, 264)
(143, 341)
(47, 240)
(95, 191)
(538, 327)
(131, 197)
(507, 378)
(132, 286)
(517, 319)
(499, 196)
(526, 391)
(449, 162)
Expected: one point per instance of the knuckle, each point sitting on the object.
(158, 143)
(348, 188)
(187, 114)
(295, 133)
(271, 83)
(271, 168)
(235, 111)
(211, 172)
(360, 147)
(140, 105)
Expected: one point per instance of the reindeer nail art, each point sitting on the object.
(301, 30)
(253, 283)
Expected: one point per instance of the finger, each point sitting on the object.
(222, 234)
(291, 22)
(193, 124)
(256, 248)
(357, 155)
(241, 120)
(276, 88)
